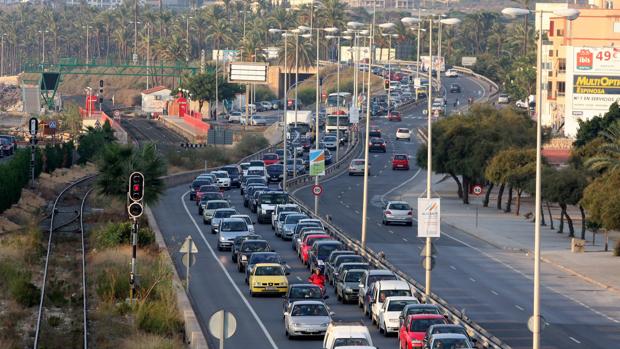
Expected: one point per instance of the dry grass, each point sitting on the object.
(147, 341)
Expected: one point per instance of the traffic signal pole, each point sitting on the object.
(135, 209)
(134, 253)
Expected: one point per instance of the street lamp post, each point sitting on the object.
(337, 90)
(570, 14)
(43, 44)
(135, 37)
(189, 44)
(388, 27)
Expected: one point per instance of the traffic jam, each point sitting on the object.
(332, 270)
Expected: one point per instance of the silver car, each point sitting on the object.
(280, 221)
(218, 215)
(347, 285)
(229, 229)
(289, 224)
(247, 219)
(357, 167)
(210, 207)
(397, 212)
(330, 142)
(307, 318)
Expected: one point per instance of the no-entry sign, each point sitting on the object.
(317, 190)
(477, 189)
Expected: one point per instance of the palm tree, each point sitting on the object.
(331, 13)
(608, 158)
(306, 55)
(525, 4)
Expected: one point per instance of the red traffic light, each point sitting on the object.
(136, 186)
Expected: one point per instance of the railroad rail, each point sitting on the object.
(66, 219)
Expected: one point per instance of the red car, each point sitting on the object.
(271, 158)
(394, 116)
(412, 331)
(306, 245)
(205, 189)
(400, 161)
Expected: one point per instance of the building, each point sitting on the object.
(580, 63)
(154, 99)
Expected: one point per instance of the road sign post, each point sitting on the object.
(317, 190)
(222, 325)
(189, 249)
(477, 190)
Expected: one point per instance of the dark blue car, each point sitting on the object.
(275, 172)
(234, 173)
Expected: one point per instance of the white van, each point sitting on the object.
(387, 288)
(258, 171)
(340, 335)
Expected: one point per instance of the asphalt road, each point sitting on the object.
(493, 286)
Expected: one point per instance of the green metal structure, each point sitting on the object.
(93, 67)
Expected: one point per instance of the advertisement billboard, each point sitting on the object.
(439, 63)
(317, 162)
(429, 218)
(592, 83)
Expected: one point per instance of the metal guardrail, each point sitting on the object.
(472, 73)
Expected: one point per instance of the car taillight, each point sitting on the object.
(388, 212)
(410, 213)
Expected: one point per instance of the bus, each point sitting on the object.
(338, 101)
(339, 120)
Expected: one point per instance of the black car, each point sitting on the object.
(302, 292)
(249, 192)
(234, 173)
(247, 248)
(377, 144)
(206, 197)
(275, 172)
(196, 184)
(237, 243)
(374, 133)
(261, 257)
(455, 88)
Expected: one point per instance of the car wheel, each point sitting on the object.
(240, 267)
(381, 330)
(410, 224)
(234, 258)
(204, 221)
(338, 295)
(219, 248)
(372, 318)
(252, 294)
(212, 231)
(350, 174)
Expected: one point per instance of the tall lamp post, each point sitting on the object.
(355, 29)
(388, 27)
(43, 44)
(569, 14)
(329, 30)
(337, 37)
(189, 44)
(297, 32)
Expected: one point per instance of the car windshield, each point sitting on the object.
(198, 183)
(310, 241)
(377, 140)
(449, 329)
(255, 181)
(449, 343)
(326, 249)
(309, 310)
(221, 174)
(273, 198)
(329, 138)
(358, 162)
(258, 163)
(234, 226)
(247, 219)
(264, 258)
(255, 246)
(421, 325)
(211, 196)
(422, 310)
(375, 278)
(400, 206)
(270, 157)
(354, 266)
(223, 214)
(214, 205)
(399, 305)
(256, 172)
(305, 292)
(231, 170)
(354, 276)
(283, 215)
(293, 219)
(345, 342)
(208, 188)
(269, 271)
(400, 157)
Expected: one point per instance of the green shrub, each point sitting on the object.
(15, 175)
(112, 282)
(264, 94)
(307, 95)
(18, 283)
(159, 317)
(250, 144)
(114, 234)
(54, 321)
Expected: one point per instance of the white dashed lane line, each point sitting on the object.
(574, 340)
(472, 279)
(452, 267)
(519, 307)
(495, 293)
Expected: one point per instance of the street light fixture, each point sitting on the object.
(569, 14)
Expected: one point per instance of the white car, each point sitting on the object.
(247, 219)
(223, 180)
(235, 117)
(282, 208)
(451, 73)
(244, 168)
(503, 98)
(307, 318)
(390, 311)
(257, 171)
(522, 104)
(403, 133)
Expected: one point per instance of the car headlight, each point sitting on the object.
(222, 239)
(348, 290)
(244, 258)
(416, 342)
(320, 262)
(256, 284)
(325, 324)
(295, 324)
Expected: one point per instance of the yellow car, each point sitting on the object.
(268, 278)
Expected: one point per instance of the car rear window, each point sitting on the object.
(400, 304)
(400, 157)
(400, 206)
(403, 130)
(270, 157)
(422, 325)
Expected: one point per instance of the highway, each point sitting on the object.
(493, 286)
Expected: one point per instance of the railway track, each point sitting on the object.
(148, 131)
(62, 318)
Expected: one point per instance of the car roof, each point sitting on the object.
(328, 242)
(380, 272)
(425, 316)
(255, 240)
(397, 202)
(401, 298)
(392, 284)
(308, 302)
(267, 265)
(450, 336)
(217, 201)
(228, 219)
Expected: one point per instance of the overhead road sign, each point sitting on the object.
(247, 72)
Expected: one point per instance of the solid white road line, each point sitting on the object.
(495, 293)
(574, 340)
(241, 295)
(519, 307)
(400, 185)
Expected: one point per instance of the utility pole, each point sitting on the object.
(296, 88)
(284, 121)
(135, 32)
(148, 53)
(429, 157)
(318, 109)
(338, 102)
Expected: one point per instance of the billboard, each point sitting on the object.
(439, 63)
(246, 72)
(317, 162)
(225, 55)
(429, 218)
(592, 83)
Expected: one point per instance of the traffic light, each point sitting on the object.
(135, 209)
(136, 186)
(386, 84)
(101, 88)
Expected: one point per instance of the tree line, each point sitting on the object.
(496, 148)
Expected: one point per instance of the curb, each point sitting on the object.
(193, 333)
(542, 258)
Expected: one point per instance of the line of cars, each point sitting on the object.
(391, 303)
(8, 145)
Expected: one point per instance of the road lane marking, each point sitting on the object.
(232, 282)
(495, 293)
(519, 307)
(574, 340)
(405, 240)
(357, 212)
(391, 232)
(452, 267)
(378, 224)
(472, 279)
(298, 278)
(400, 185)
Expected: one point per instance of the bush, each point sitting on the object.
(18, 283)
(306, 95)
(159, 317)
(249, 144)
(264, 94)
(617, 249)
(112, 282)
(114, 234)
(15, 176)
(93, 142)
